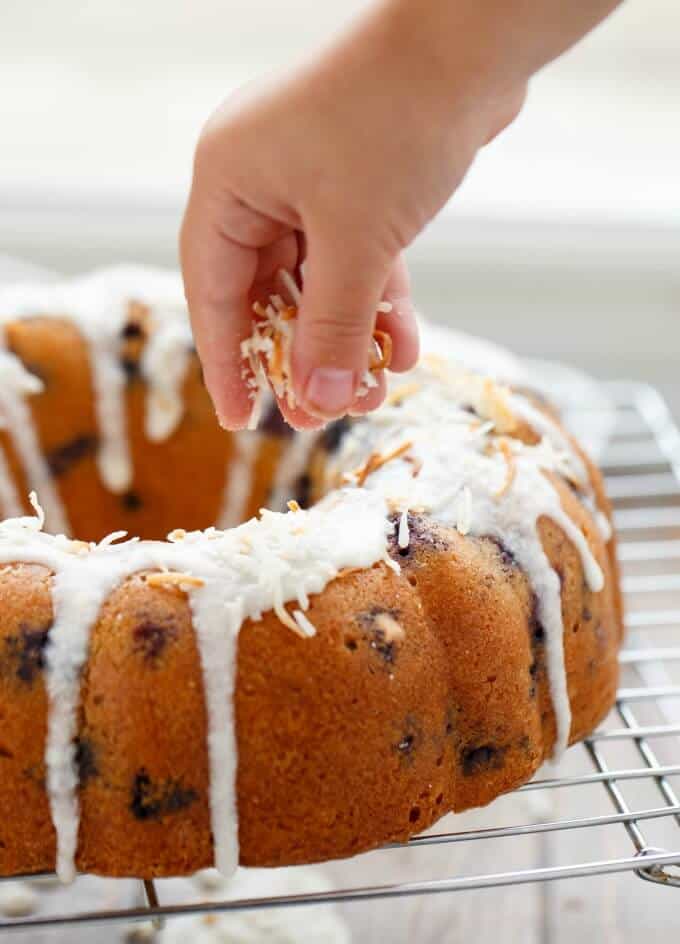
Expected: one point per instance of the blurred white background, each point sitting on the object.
(564, 240)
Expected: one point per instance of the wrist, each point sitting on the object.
(459, 48)
(445, 63)
(492, 44)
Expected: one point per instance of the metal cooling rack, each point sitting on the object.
(642, 467)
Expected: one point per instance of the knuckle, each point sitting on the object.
(340, 329)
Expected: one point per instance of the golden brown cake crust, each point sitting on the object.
(364, 734)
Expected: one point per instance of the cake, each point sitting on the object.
(435, 614)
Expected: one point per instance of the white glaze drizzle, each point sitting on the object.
(16, 383)
(164, 366)
(9, 497)
(238, 478)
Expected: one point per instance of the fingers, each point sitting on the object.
(220, 245)
(333, 334)
(217, 274)
(400, 322)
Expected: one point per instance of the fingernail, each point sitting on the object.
(330, 391)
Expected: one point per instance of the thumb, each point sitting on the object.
(343, 286)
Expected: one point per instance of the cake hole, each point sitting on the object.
(351, 643)
(5, 752)
(439, 799)
(440, 760)
(413, 580)
(414, 815)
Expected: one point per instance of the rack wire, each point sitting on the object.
(642, 469)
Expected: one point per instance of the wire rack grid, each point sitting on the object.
(642, 468)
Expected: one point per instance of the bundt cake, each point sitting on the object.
(435, 615)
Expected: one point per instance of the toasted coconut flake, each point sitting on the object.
(391, 629)
(177, 535)
(166, 578)
(511, 465)
(493, 405)
(267, 352)
(293, 505)
(375, 461)
(383, 356)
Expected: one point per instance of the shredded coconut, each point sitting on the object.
(464, 511)
(307, 628)
(404, 537)
(267, 352)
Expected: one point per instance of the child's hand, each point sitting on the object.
(340, 164)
